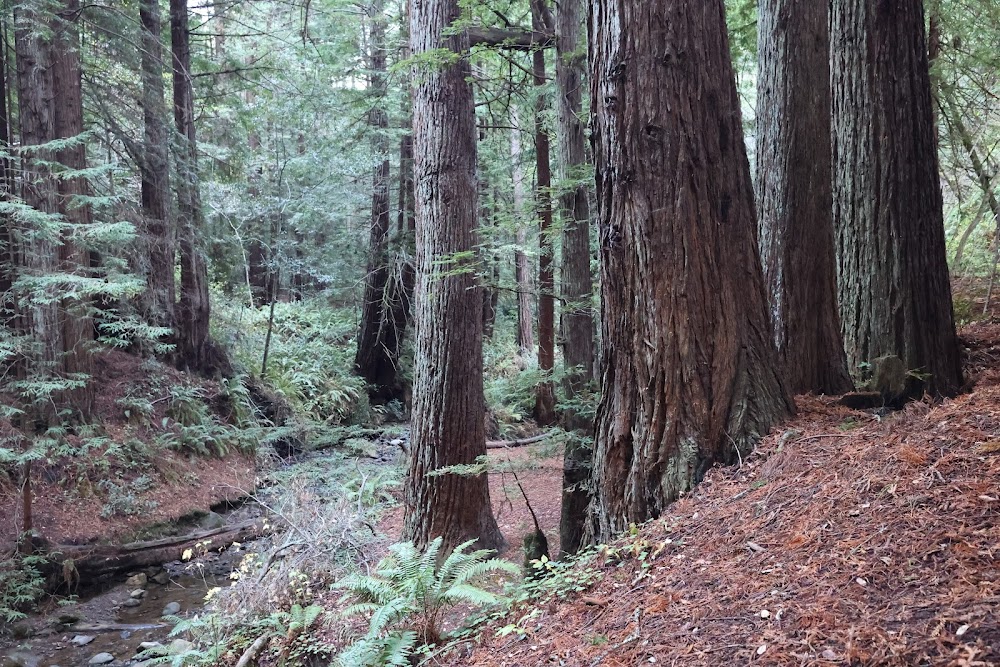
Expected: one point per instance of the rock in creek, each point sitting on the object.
(101, 659)
(172, 609)
(20, 659)
(137, 580)
(81, 640)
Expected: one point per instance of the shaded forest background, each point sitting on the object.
(211, 207)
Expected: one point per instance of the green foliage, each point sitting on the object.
(310, 358)
(122, 497)
(21, 584)
(187, 406)
(405, 597)
(137, 410)
(373, 490)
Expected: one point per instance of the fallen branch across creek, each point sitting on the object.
(81, 564)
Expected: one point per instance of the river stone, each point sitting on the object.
(145, 646)
(172, 609)
(132, 602)
(138, 593)
(81, 640)
(137, 580)
(101, 659)
(179, 646)
(20, 659)
(161, 577)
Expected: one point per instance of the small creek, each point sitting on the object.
(117, 621)
(117, 628)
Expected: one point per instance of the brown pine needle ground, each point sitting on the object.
(845, 539)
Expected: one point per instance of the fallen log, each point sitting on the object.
(504, 444)
(78, 564)
(250, 655)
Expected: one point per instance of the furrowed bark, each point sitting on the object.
(894, 289)
(689, 370)
(448, 405)
(795, 194)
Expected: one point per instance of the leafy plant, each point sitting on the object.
(187, 406)
(406, 597)
(21, 584)
(123, 499)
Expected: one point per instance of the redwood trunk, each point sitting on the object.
(37, 253)
(377, 357)
(403, 279)
(545, 398)
(689, 373)
(193, 307)
(8, 256)
(795, 194)
(894, 291)
(576, 281)
(448, 405)
(67, 81)
(522, 265)
(154, 170)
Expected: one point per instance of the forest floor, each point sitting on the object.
(847, 538)
(538, 467)
(107, 484)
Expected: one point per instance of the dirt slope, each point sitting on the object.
(846, 539)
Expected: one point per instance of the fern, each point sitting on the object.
(408, 593)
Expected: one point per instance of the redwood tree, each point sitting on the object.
(576, 281)
(193, 306)
(37, 253)
(377, 356)
(154, 171)
(795, 194)
(545, 398)
(50, 108)
(522, 265)
(894, 291)
(689, 372)
(67, 102)
(447, 426)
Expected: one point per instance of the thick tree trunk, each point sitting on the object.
(377, 357)
(67, 82)
(193, 307)
(689, 373)
(448, 405)
(576, 281)
(895, 296)
(545, 397)
(8, 256)
(795, 194)
(37, 253)
(154, 170)
(522, 265)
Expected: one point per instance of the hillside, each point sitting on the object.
(164, 445)
(847, 538)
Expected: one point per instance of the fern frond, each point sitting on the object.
(480, 568)
(470, 594)
(387, 615)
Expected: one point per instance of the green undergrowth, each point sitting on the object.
(310, 357)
